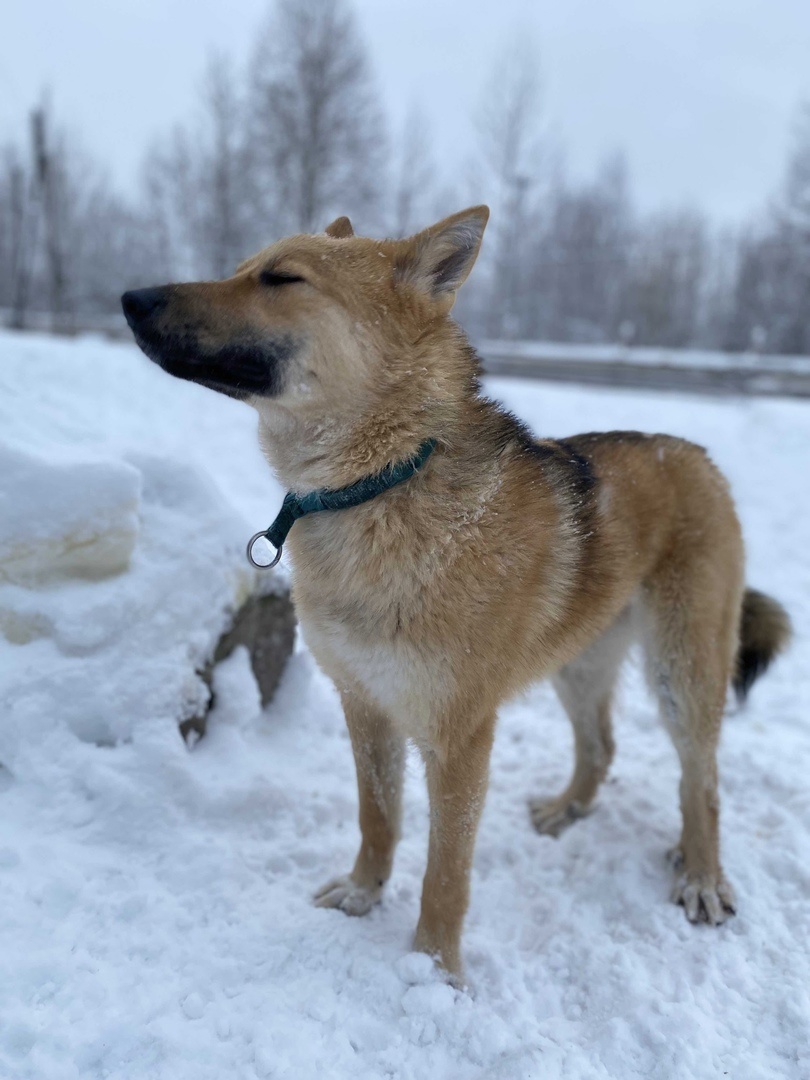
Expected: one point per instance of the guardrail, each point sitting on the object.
(689, 371)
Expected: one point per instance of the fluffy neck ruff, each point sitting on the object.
(422, 396)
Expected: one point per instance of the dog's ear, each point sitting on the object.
(439, 259)
(340, 228)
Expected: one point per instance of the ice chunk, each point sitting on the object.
(65, 520)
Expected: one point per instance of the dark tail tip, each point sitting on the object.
(764, 633)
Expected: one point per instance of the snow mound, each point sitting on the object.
(102, 658)
(65, 520)
(121, 560)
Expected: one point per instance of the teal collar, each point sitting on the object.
(296, 506)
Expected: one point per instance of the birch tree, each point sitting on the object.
(318, 128)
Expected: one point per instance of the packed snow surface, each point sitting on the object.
(155, 919)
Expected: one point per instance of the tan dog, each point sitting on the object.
(501, 561)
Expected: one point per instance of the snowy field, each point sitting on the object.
(155, 914)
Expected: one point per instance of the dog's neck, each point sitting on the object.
(309, 454)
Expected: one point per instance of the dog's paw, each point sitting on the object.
(446, 955)
(552, 816)
(347, 895)
(704, 898)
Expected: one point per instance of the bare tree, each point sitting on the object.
(666, 291)
(54, 184)
(770, 308)
(18, 234)
(225, 172)
(158, 200)
(112, 251)
(719, 286)
(68, 243)
(198, 183)
(794, 205)
(752, 307)
(319, 129)
(414, 185)
(508, 125)
(579, 257)
(791, 242)
(174, 200)
(48, 209)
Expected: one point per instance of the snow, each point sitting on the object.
(156, 917)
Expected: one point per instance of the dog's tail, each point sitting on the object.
(765, 631)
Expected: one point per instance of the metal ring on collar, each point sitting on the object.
(262, 565)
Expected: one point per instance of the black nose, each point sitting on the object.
(140, 304)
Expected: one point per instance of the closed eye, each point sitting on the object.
(278, 277)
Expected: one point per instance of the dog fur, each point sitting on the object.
(506, 559)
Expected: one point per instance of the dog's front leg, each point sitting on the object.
(379, 754)
(457, 784)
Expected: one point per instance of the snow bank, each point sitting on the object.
(155, 917)
(121, 561)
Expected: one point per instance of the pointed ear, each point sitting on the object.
(439, 259)
(340, 228)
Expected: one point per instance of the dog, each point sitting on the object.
(499, 560)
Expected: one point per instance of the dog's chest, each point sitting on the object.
(410, 683)
(372, 608)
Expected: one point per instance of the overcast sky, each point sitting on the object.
(700, 93)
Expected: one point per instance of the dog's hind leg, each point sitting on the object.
(585, 688)
(693, 615)
(379, 754)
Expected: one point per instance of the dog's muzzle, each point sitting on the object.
(141, 305)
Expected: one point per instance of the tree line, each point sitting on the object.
(296, 135)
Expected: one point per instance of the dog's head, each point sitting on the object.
(317, 326)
